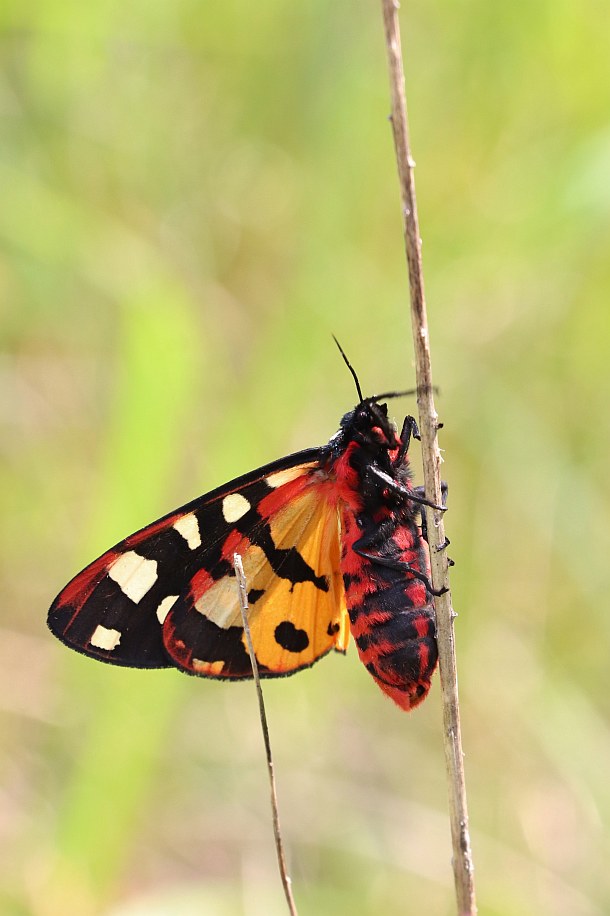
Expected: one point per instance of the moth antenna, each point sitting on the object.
(351, 369)
(409, 392)
(392, 394)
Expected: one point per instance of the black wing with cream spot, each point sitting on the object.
(289, 542)
(114, 610)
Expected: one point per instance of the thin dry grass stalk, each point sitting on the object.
(277, 833)
(428, 424)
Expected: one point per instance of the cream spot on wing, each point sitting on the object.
(234, 506)
(188, 527)
(105, 638)
(165, 607)
(135, 575)
(282, 477)
(207, 667)
(220, 602)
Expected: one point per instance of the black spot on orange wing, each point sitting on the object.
(291, 638)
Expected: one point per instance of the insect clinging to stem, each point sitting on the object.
(331, 542)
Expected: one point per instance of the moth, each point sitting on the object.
(331, 542)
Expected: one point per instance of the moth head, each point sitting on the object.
(369, 425)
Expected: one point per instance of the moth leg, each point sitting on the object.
(424, 525)
(400, 566)
(409, 428)
(380, 477)
(444, 493)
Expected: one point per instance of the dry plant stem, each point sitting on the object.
(428, 418)
(279, 847)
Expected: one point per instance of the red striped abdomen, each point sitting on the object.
(390, 610)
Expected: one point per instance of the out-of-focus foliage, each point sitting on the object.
(193, 196)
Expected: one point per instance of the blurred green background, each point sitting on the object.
(193, 197)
